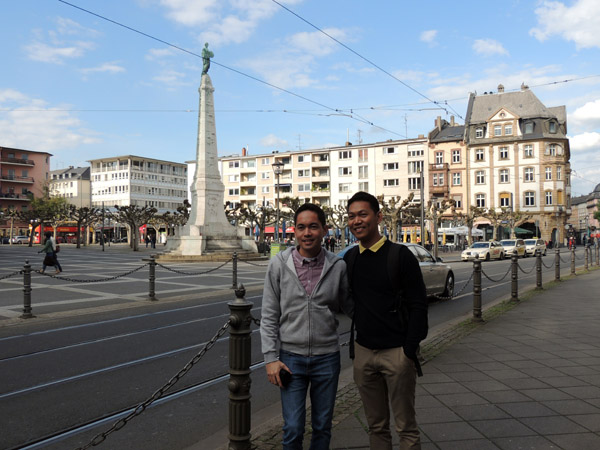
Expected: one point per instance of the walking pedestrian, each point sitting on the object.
(49, 259)
(390, 318)
(305, 286)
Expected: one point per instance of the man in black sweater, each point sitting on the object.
(389, 326)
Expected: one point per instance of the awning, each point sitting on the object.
(270, 230)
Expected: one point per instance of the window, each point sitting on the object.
(559, 198)
(344, 187)
(363, 172)
(415, 166)
(304, 173)
(479, 154)
(528, 151)
(529, 198)
(548, 196)
(415, 152)
(390, 182)
(234, 178)
(300, 158)
(305, 187)
(504, 176)
(363, 155)
(479, 132)
(391, 166)
(344, 171)
(249, 163)
(363, 186)
(480, 200)
(232, 164)
(508, 129)
(439, 157)
(435, 179)
(265, 175)
(414, 183)
(480, 177)
(559, 173)
(441, 179)
(234, 191)
(457, 201)
(548, 172)
(552, 127)
(456, 156)
(456, 179)
(497, 130)
(551, 150)
(528, 174)
(505, 200)
(529, 128)
(389, 150)
(345, 154)
(503, 152)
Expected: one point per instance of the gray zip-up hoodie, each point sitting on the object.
(297, 322)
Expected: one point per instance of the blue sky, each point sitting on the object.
(81, 87)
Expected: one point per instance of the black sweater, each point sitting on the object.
(375, 315)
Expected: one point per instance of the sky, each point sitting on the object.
(80, 86)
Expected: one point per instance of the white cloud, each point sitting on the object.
(172, 79)
(271, 140)
(588, 115)
(428, 36)
(317, 43)
(33, 124)
(39, 51)
(585, 142)
(577, 23)
(489, 47)
(109, 67)
(159, 53)
(191, 12)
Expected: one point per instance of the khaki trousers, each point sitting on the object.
(383, 377)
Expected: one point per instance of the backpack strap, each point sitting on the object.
(350, 259)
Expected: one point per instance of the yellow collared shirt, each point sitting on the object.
(376, 246)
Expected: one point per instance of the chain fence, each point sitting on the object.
(563, 261)
(14, 274)
(526, 272)
(550, 266)
(582, 256)
(92, 280)
(454, 294)
(181, 272)
(254, 264)
(139, 409)
(493, 280)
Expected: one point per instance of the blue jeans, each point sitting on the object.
(321, 373)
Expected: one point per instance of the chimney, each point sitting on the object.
(524, 87)
(438, 123)
(500, 88)
(348, 143)
(244, 151)
(451, 121)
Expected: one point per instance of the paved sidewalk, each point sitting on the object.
(529, 379)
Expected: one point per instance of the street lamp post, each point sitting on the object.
(277, 169)
(558, 212)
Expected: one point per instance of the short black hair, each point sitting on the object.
(48, 234)
(311, 207)
(362, 196)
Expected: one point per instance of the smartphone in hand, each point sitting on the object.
(285, 377)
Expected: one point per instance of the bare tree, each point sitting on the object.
(134, 216)
(395, 211)
(83, 217)
(469, 218)
(434, 212)
(514, 218)
(337, 217)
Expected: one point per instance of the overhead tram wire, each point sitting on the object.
(366, 59)
(335, 110)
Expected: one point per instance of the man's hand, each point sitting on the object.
(273, 369)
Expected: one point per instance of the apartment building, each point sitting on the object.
(583, 218)
(136, 180)
(326, 176)
(73, 184)
(517, 156)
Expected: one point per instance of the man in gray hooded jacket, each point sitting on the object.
(304, 288)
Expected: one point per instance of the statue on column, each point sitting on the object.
(206, 55)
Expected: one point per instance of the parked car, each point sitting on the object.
(20, 239)
(485, 250)
(438, 276)
(121, 239)
(512, 246)
(5, 240)
(533, 245)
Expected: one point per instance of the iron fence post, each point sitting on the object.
(151, 278)
(27, 291)
(538, 269)
(557, 264)
(477, 317)
(240, 356)
(514, 277)
(573, 260)
(597, 247)
(585, 264)
(234, 270)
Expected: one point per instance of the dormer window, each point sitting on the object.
(552, 127)
(529, 128)
(479, 132)
(497, 130)
(508, 129)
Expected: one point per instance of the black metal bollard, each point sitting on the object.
(514, 277)
(557, 264)
(586, 249)
(573, 260)
(234, 271)
(538, 270)
(240, 356)
(151, 278)
(477, 317)
(27, 291)
(597, 247)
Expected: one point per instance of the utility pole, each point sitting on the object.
(422, 182)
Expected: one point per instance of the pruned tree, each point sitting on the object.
(469, 218)
(134, 216)
(337, 217)
(496, 217)
(514, 218)
(394, 212)
(434, 212)
(12, 215)
(57, 212)
(260, 217)
(83, 216)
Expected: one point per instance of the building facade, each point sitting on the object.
(73, 184)
(135, 180)
(584, 209)
(517, 156)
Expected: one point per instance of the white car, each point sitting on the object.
(20, 240)
(485, 250)
(512, 246)
(533, 245)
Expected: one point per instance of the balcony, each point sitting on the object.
(248, 183)
(248, 169)
(18, 161)
(16, 197)
(438, 167)
(444, 189)
(16, 179)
